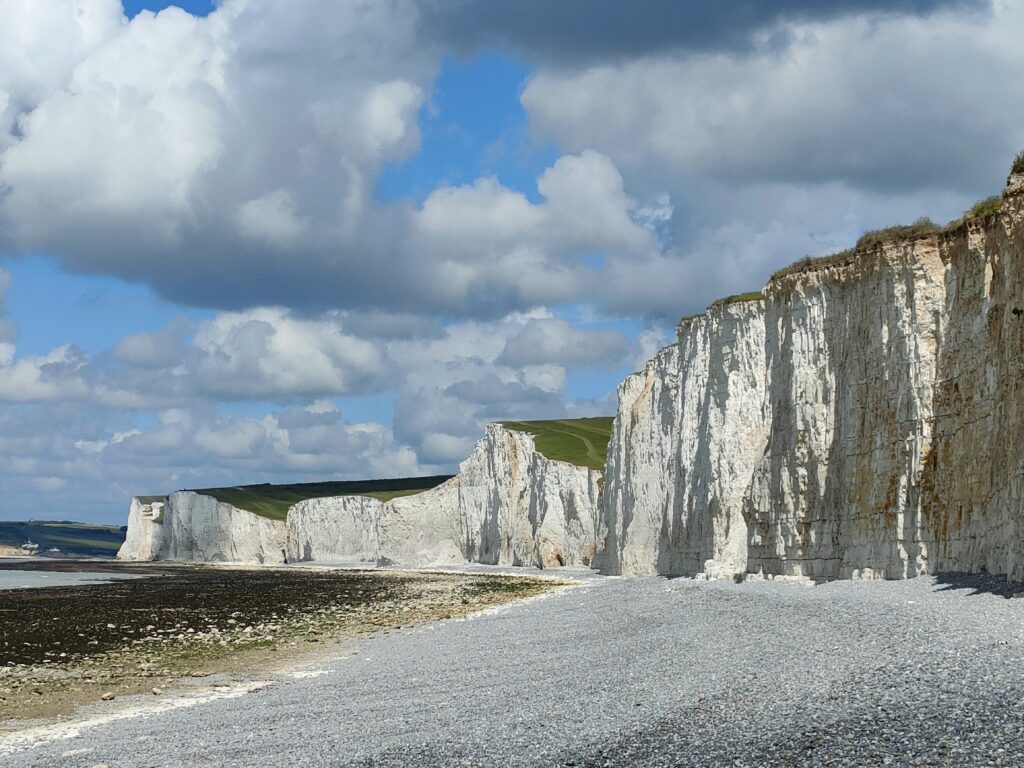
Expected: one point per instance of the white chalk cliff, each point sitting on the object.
(864, 419)
(689, 427)
(192, 527)
(509, 504)
(144, 538)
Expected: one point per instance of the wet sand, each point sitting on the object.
(35, 579)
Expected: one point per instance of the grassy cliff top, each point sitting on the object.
(873, 239)
(737, 298)
(273, 501)
(811, 263)
(583, 442)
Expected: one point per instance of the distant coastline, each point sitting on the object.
(68, 538)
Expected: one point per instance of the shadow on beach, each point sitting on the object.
(979, 584)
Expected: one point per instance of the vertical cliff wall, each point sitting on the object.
(144, 539)
(972, 488)
(689, 428)
(863, 419)
(508, 504)
(191, 527)
(851, 368)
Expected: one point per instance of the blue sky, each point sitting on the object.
(197, 7)
(473, 126)
(264, 242)
(92, 308)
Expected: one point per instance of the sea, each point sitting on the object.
(25, 579)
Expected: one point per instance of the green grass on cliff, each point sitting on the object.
(868, 241)
(273, 501)
(583, 442)
(923, 227)
(876, 237)
(809, 263)
(983, 208)
(737, 298)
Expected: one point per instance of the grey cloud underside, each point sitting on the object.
(231, 164)
(591, 30)
(362, 280)
(490, 390)
(558, 342)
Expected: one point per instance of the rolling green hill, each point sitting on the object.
(70, 538)
(583, 442)
(273, 501)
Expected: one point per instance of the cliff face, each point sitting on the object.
(191, 527)
(863, 420)
(851, 371)
(507, 505)
(340, 529)
(688, 430)
(144, 538)
(408, 530)
(518, 507)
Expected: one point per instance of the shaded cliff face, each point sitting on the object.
(191, 527)
(507, 505)
(851, 364)
(339, 529)
(973, 470)
(863, 420)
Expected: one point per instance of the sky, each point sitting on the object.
(261, 241)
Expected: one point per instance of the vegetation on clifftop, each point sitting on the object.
(987, 207)
(876, 237)
(583, 442)
(737, 298)
(273, 501)
(1018, 163)
(813, 262)
(872, 239)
